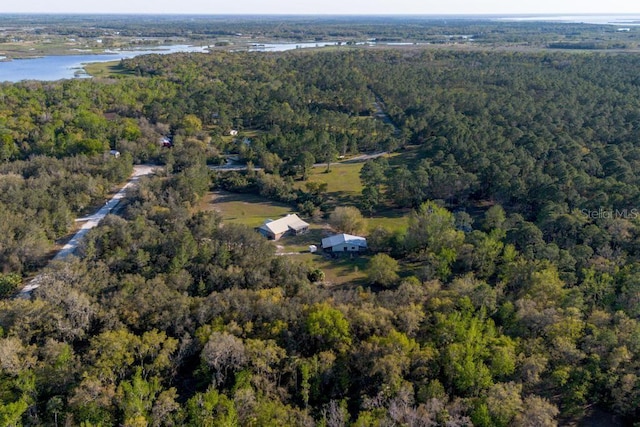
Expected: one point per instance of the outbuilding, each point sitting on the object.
(344, 243)
(290, 224)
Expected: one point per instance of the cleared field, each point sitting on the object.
(106, 69)
(300, 243)
(248, 209)
(397, 222)
(343, 183)
(338, 271)
(343, 189)
(252, 210)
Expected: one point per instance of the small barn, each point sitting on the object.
(344, 243)
(290, 224)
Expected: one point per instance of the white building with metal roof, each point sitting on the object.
(344, 243)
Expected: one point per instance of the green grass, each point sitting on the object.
(342, 177)
(250, 133)
(301, 243)
(340, 270)
(247, 209)
(106, 69)
(397, 222)
(343, 183)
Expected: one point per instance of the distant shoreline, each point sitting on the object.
(435, 16)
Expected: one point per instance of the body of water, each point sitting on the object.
(621, 20)
(56, 67)
(281, 47)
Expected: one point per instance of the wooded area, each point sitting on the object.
(512, 298)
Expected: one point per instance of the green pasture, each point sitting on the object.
(248, 209)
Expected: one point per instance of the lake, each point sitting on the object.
(281, 47)
(618, 19)
(56, 67)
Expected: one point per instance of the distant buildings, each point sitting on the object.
(344, 243)
(290, 224)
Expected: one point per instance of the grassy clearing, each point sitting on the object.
(397, 222)
(338, 271)
(343, 183)
(106, 69)
(248, 209)
(35, 48)
(300, 243)
(342, 178)
(343, 189)
(252, 210)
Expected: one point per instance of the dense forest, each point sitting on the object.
(511, 298)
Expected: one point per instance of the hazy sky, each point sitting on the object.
(322, 6)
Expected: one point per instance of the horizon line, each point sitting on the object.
(440, 14)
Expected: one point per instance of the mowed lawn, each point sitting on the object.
(248, 209)
(342, 270)
(344, 188)
(343, 183)
(396, 223)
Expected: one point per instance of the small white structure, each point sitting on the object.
(291, 224)
(313, 249)
(233, 132)
(344, 243)
(114, 153)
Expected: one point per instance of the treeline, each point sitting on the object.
(588, 45)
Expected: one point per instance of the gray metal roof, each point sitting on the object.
(329, 242)
(281, 225)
